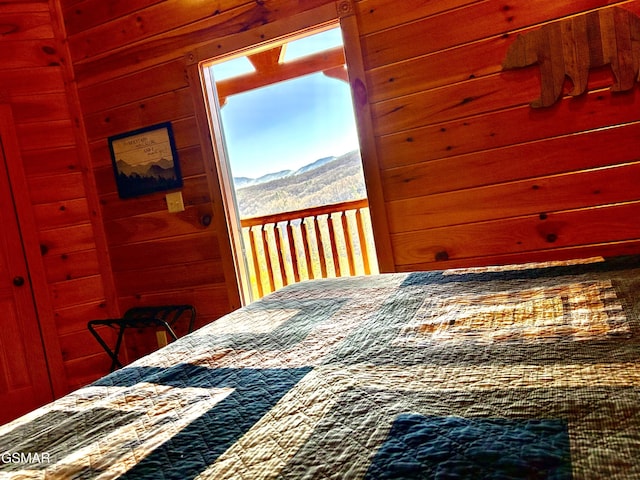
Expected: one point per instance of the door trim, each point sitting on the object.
(35, 267)
(342, 12)
(366, 135)
(224, 214)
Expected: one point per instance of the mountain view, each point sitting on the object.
(325, 181)
(133, 180)
(161, 168)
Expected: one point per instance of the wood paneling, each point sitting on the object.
(66, 240)
(82, 371)
(171, 105)
(76, 291)
(214, 30)
(34, 81)
(588, 188)
(79, 345)
(41, 108)
(69, 266)
(111, 33)
(51, 188)
(566, 153)
(466, 172)
(595, 110)
(470, 173)
(530, 233)
(117, 91)
(75, 318)
(43, 163)
(377, 15)
(167, 251)
(156, 225)
(60, 214)
(438, 32)
(130, 71)
(36, 135)
(195, 191)
(171, 277)
(84, 14)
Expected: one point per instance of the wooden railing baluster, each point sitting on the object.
(295, 268)
(250, 258)
(333, 244)
(348, 243)
(289, 242)
(280, 253)
(306, 245)
(267, 259)
(363, 242)
(256, 261)
(322, 256)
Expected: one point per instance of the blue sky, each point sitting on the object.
(289, 124)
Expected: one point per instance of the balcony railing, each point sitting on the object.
(321, 242)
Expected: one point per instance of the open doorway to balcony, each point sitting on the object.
(287, 153)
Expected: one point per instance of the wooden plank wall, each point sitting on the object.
(471, 174)
(69, 285)
(129, 61)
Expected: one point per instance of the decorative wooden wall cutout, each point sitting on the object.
(572, 46)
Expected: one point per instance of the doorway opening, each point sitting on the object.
(287, 155)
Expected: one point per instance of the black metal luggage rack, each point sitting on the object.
(165, 316)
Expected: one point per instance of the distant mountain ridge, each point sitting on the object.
(241, 182)
(143, 178)
(161, 168)
(325, 181)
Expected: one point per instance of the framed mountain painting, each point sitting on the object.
(145, 161)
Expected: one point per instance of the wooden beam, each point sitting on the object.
(269, 60)
(339, 73)
(319, 62)
(366, 136)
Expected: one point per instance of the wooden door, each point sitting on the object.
(24, 378)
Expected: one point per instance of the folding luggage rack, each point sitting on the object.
(165, 316)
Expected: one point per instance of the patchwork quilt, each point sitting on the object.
(518, 372)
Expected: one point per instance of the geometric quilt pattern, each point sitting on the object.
(523, 373)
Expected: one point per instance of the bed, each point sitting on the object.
(528, 371)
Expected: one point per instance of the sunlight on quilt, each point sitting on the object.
(197, 414)
(452, 447)
(36, 436)
(575, 311)
(200, 443)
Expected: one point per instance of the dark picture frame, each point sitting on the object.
(145, 160)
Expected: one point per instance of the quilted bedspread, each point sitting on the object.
(524, 372)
